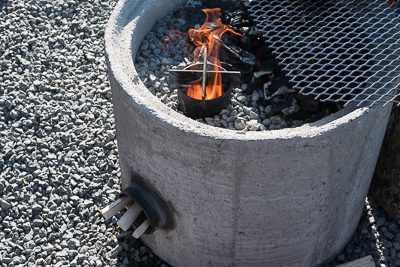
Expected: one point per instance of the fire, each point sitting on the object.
(207, 41)
(214, 88)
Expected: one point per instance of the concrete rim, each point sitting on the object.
(121, 44)
(313, 205)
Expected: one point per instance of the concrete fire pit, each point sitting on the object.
(290, 197)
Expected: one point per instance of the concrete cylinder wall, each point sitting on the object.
(290, 197)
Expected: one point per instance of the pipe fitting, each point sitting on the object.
(152, 209)
(145, 212)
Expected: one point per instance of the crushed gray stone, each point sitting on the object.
(58, 155)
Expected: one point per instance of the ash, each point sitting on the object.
(265, 99)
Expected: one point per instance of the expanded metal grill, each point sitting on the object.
(334, 50)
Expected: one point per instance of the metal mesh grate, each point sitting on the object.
(335, 50)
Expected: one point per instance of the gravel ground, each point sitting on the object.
(58, 155)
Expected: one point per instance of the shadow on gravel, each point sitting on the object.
(385, 233)
(133, 253)
(3, 4)
(374, 236)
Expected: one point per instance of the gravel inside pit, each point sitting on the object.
(59, 164)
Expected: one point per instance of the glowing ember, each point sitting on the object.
(207, 37)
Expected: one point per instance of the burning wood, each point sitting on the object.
(207, 40)
(210, 85)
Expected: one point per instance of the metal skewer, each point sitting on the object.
(204, 82)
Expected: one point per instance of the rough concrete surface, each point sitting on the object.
(279, 198)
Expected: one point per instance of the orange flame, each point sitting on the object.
(208, 36)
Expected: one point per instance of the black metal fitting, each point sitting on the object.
(151, 206)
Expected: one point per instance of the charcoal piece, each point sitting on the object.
(256, 83)
(260, 73)
(243, 29)
(256, 44)
(329, 107)
(266, 68)
(214, 4)
(292, 109)
(277, 108)
(239, 58)
(246, 77)
(278, 70)
(238, 19)
(281, 86)
(253, 32)
(238, 24)
(245, 43)
(308, 103)
(263, 53)
(252, 35)
(300, 115)
(313, 118)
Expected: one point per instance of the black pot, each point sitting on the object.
(197, 108)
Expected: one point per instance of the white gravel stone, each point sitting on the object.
(4, 204)
(255, 96)
(277, 120)
(59, 164)
(240, 124)
(266, 122)
(253, 115)
(253, 125)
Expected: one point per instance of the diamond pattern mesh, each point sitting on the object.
(334, 50)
